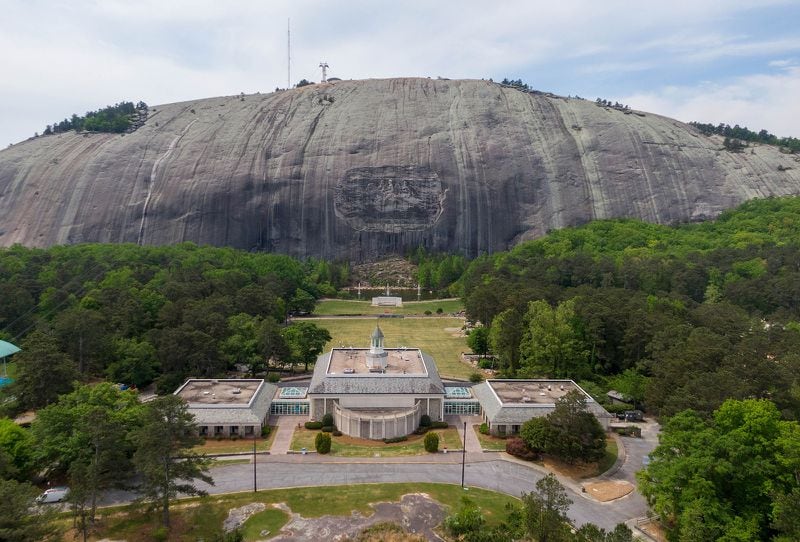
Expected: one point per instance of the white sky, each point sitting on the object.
(731, 61)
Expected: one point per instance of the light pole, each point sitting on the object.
(255, 485)
(463, 455)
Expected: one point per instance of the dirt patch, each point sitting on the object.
(417, 513)
(608, 491)
(576, 471)
(655, 530)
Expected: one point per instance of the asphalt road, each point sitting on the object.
(482, 470)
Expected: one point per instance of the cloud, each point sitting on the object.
(763, 101)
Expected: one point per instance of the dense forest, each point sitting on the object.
(115, 118)
(675, 317)
(138, 314)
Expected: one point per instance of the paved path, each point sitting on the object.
(285, 430)
(473, 444)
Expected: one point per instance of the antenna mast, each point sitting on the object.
(288, 53)
(324, 66)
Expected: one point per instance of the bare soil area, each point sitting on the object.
(608, 491)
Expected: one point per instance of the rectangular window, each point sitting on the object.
(218, 429)
(234, 430)
(203, 430)
(248, 430)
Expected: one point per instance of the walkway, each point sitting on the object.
(283, 436)
(473, 444)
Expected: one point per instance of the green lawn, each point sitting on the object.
(193, 519)
(270, 520)
(489, 442)
(348, 307)
(609, 458)
(345, 446)
(228, 446)
(438, 337)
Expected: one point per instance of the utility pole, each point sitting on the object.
(255, 484)
(464, 455)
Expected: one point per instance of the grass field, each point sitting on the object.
(347, 307)
(202, 518)
(438, 337)
(489, 442)
(228, 446)
(345, 446)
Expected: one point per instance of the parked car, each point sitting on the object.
(634, 416)
(54, 494)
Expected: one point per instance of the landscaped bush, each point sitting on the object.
(517, 447)
(265, 431)
(322, 443)
(234, 437)
(313, 425)
(327, 429)
(395, 439)
(336, 433)
(273, 377)
(327, 419)
(425, 421)
(439, 425)
(439, 310)
(421, 430)
(484, 429)
(431, 442)
(428, 313)
(476, 377)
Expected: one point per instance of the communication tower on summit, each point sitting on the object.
(324, 66)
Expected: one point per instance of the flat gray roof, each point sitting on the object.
(219, 391)
(353, 361)
(531, 391)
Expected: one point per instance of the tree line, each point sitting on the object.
(138, 315)
(113, 118)
(740, 133)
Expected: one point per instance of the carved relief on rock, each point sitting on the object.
(389, 199)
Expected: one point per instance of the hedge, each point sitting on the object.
(431, 442)
(313, 425)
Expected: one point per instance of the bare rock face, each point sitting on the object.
(360, 169)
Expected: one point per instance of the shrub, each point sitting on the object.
(327, 429)
(161, 534)
(485, 364)
(273, 377)
(439, 310)
(425, 421)
(322, 443)
(336, 433)
(234, 437)
(421, 430)
(327, 419)
(428, 313)
(431, 442)
(516, 446)
(313, 425)
(265, 431)
(484, 429)
(395, 439)
(217, 437)
(439, 425)
(476, 377)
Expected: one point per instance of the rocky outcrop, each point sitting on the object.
(360, 169)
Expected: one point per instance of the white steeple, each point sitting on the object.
(377, 357)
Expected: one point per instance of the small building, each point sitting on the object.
(387, 301)
(507, 404)
(228, 407)
(378, 392)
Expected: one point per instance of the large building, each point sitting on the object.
(377, 392)
(507, 404)
(374, 393)
(228, 407)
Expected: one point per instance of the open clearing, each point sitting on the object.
(349, 307)
(434, 336)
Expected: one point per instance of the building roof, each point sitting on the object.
(215, 401)
(423, 380)
(517, 401)
(353, 361)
